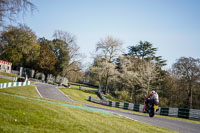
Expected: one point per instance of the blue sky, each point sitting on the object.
(172, 26)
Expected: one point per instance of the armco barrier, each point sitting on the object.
(164, 111)
(174, 112)
(136, 107)
(141, 108)
(194, 114)
(183, 113)
(113, 104)
(126, 105)
(121, 105)
(117, 104)
(110, 103)
(130, 106)
(13, 84)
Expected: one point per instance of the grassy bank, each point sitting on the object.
(28, 91)
(25, 115)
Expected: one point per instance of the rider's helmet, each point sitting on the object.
(152, 93)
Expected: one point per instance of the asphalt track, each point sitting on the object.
(50, 91)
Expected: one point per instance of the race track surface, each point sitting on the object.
(50, 91)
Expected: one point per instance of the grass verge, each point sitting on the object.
(82, 85)
(25, 115)
(5, 80)
(9, 74)
(79, 95)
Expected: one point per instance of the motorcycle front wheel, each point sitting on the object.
(151, 113)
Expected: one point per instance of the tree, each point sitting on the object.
(188, 71)
(145, 50)
(109, 48)
(10, 8)
(75, 76)
(128, 76)
(19, 45)
(145, 53)
(46, 61)
(74, 64)
(60, 50)
(139, 75)
(103, 71)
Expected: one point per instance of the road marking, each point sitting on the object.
(38, 91)
(127, 117)
(64, 94)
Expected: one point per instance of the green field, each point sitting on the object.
(29, 115)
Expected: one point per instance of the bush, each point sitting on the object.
(123, 95)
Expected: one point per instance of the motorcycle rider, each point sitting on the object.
(151, 98)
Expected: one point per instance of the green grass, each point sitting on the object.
(82, 96)
(5, 80)
(9, 74)
(24, 115)
(79, 95)
(32, 82)
(82, 85)
(28, 91)
(111, 98)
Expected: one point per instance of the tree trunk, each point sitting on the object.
(190, 95)
(106, 89)
(147, 92)
(34, 76)
(132, 95)
(46, 75)
(135, 95)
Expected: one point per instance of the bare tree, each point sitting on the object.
(104, 72)
(10, 8)
(188, 70)
(109, 48)
(148, 73)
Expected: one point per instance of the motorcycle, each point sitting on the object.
(151, 108)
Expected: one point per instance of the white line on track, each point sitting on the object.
(38, 91)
